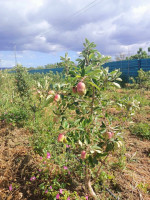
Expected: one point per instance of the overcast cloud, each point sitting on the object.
(52, 26)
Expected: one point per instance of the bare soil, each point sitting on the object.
(134, 180)
(16, 164)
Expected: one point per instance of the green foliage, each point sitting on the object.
(16, 116)
(141, 130)
(22, 86)
(90, 55)
(144, 187)
(87, 132)
(66, 63)
(82, 118)
(142, 80)
(129, 103)
(140, 55)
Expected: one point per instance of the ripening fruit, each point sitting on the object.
(81, 89)
(61, 137)
(74, 90)
(51, 92)
(109, 135)
(83, 155)
(57, 97)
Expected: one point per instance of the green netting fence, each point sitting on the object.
(129, 68)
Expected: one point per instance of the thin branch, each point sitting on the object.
(92, 103)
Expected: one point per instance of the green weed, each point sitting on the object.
(141, 129)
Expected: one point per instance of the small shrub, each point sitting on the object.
(141, 129)
(142, 80)
(22, 86)
(16, 116)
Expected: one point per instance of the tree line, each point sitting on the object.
(139, 55)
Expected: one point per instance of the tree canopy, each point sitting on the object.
(139, 55)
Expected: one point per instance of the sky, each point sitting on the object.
(37, 32)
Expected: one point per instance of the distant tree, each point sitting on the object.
(50, 66)
(120, 57)
(59, 65)
(39, 67)
(140, 55)
(31, 68)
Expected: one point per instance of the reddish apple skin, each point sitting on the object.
(61, 137)
(109, 135)
(81, 89)
(83, 155)
(57, 97)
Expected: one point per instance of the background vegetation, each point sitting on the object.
(78, 137)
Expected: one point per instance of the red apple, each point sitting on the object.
(57, 97)
(109, 135)
(83, 155)
(61, 137)
(81, 89)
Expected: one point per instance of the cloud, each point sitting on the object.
(133, 28)
(53, 26)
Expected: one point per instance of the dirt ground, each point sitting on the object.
(17, 162)
(134, 180)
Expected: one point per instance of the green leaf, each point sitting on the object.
(76, 103)
(42, 187)
(78, 111)
(72, 73)
(92, 151)
(95, 161)
(65, 124)
(49, 96)
(110, 146)
(80, 143)
(94, 85)
(83, 72)
(116, 84)
(95, 81)
(77, 122)
(98, 151)
(102, 154)
(48, 101)
(118, 79)
(103, 125)
(82, 64)
(69, 139)
(94, 72)
(87, 140)
(91, 56)
(91, 161)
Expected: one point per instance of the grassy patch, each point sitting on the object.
(141, 129)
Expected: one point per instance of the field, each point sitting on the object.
(75, 135)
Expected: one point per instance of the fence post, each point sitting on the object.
(128, 71)
(139, 64)
(139, 67)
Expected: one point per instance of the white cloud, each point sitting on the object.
(52, 26)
